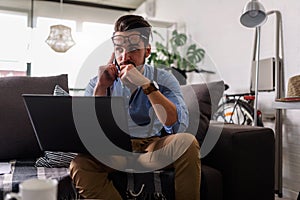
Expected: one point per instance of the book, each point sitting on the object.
(289, 99)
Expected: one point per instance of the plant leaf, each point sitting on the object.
(178, 39)
(194, 54)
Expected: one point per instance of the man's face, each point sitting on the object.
(129, 47)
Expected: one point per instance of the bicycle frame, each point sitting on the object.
(238, 109)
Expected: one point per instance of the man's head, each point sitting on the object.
(131, 40)
(133, 22)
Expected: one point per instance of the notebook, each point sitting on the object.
(76, 123)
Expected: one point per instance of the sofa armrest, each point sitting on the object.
(245, 156)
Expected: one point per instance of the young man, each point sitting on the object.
(144, 88)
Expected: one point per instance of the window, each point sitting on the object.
(45, 61)
(22, 46)
(14, 43)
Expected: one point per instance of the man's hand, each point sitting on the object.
(106, 76)
(130, 74)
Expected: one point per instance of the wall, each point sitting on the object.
(215, 24)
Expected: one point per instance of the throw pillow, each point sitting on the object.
(56, 159)
(202, 101)
(59, 91)
(18, 140)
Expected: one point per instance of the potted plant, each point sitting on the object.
(177, 56)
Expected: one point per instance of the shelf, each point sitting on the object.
(286, 105)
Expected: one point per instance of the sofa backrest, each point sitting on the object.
(17, 138)
(202, 101)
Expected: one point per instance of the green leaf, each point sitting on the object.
(178, 39)
(166, 57)
(194, 54)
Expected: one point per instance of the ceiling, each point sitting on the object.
(124, 5)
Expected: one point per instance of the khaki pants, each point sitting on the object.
(91, 177)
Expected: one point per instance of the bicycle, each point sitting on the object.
(238, 109)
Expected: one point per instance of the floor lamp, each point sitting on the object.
(254, 16)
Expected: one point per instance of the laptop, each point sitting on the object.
(76, 123)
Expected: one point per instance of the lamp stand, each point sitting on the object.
(257, 53)
(279, 69)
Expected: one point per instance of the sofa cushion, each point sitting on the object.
(17, 135)
(211, 183)
(202, 100)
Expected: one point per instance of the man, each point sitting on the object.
(144, 88)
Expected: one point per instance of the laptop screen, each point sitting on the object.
(67, 123)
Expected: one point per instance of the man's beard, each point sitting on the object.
(139, 68)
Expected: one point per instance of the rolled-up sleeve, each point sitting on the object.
(89, 90)
(171, 89)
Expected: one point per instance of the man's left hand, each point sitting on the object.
(130, 74)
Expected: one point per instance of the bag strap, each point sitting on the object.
(157, 182)
(155, 74)
(131, 194)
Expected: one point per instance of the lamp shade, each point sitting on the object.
(253, 15)
(60, 38)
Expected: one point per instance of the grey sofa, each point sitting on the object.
(240, 166)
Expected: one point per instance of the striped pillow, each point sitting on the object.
(58, 91)
(53, 159)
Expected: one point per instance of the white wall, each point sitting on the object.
(215, 24)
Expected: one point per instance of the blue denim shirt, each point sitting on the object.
(140, 109)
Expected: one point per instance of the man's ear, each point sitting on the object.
(148, 50)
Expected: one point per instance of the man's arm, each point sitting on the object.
(89, 90)
(165, 109)
(107, 74)
(170, 88)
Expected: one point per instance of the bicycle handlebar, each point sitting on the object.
(226, 87)
(239, 95)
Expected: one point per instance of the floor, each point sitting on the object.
(283, 198)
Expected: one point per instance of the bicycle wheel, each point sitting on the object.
(237, 112)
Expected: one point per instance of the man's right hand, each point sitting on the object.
(106, 76)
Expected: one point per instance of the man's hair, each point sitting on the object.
(133, 23)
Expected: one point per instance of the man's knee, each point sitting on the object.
(194, 144)
(188, 138)
(186, 143)
(193, 148)
(77, 160)
(83, 162)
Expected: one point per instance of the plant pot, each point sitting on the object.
(180, 75)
